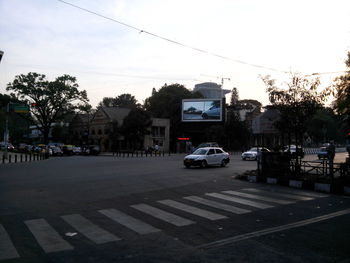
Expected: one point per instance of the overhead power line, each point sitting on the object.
(172, 41)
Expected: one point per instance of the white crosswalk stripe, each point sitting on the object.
(90, 230)
(277, 194)
(240, 200)
(7, 249)
(259, 197)
(163, 215)
(192, 210)
(293, 191)
(129, 222)
(47, 237)
(221, 206)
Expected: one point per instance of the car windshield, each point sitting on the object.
(200, 152)
(253, 149)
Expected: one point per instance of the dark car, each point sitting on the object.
(322, 153)
(91, 150)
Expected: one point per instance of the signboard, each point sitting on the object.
(201, 110)
(20, 108)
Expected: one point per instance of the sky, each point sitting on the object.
(240, 40)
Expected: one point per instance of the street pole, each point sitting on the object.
(6, 133)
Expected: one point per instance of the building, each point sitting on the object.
(102, 128)
(264, 130)
(210, 90)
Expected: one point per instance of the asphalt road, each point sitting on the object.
(107, 209)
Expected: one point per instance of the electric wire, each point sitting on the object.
(172, 41)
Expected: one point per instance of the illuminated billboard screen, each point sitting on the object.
(201, 110)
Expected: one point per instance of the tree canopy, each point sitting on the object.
(125, 100)
(297, 103)
(49, 101)
(342, 95)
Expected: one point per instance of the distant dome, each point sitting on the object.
(210, 90)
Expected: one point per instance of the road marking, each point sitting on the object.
(46, 236)
(129, 222)
(259, 197)
(271, 230)
(277, 194)
(163, 215)
(90, 230)
(7, 249)
(192, 210)
(240, 200)
(293, 191)
(221, 206)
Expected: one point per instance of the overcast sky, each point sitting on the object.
(108, 59)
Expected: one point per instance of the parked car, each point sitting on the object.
(206, 156)
(67, 149)
(252, 153)
(77, 150)
(3, 145)
(294, 150)
(91, 150)
(55, 151)
(322, 153)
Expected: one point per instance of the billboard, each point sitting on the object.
(201, 110)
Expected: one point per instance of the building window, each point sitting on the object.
(99, 132)
(158, 131)
(93, 132)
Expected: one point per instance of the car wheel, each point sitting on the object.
(223, 163)
(205, 116)
(187, 165)
(243, 159)
(204, 164)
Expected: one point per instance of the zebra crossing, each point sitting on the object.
(192, 210)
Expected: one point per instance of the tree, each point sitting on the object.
(167, 103)
(135, 127)
(234, 97)
(297, 104)
(123, 101)
(50, 101)
(342, 95)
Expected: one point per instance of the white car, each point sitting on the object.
(206, 156)
(252, 154)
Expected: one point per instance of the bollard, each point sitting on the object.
(10, 157)
(16, 158)
(3, 158)
(30, 157)
(26, 157)
(21, 158)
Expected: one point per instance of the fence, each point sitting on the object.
(21, 157)
(125, 154)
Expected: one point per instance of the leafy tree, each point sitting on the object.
(135, 127)
(215, 133)
(50, 100)
(124, 101)
(296, 103)
(324, 126)
(234, 97)
(167, 103)
(342, 95)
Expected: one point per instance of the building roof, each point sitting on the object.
(116, 113)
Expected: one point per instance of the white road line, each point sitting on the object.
(90, 230)
(277, 194)
(240, 200)
(47, 237)
(259, 197)
(221, 206)
(271, 230)
(129, 222)
(294, 192)
(192, 210)
(163, 215)
(7, 249)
